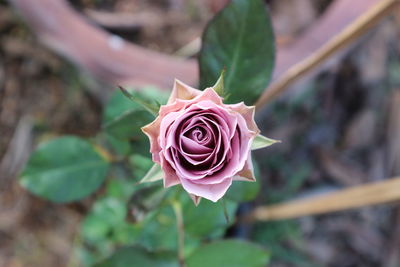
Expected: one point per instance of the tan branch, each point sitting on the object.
(338, 42)
(105, 55)
(359, 196)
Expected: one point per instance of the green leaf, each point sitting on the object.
(261, 141)
(125, 233)
(118, 146)
(117, 105)
(128, 125)
(158, 229)
(123, 119)
(140, 165)
(94, 229)
(241, 39)
(154, 174)
(229, 253)
(110, 210)
(137, 256)
(146, 198)
(64, 170)
(207, 220)
(243, 191)
(120, 187)
(275, 235)
(107, 213)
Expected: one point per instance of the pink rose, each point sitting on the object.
(202, 143)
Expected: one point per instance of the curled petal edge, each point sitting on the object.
(182, 91)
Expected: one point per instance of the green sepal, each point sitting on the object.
(153, 109)
(219, 86)
(154, 174)
(261, 141)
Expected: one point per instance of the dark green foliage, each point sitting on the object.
(240, 39)
(230, 253)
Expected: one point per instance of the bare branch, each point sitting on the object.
(107, 56)
(354, 197)
(116, 61)
(326, 50)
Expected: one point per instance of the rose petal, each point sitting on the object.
(182, 91)
(170, 177)
(210, 95)
(192, 146)
(190, 154)
(231, 167)
(212, 192)
(170, 141)
(247, 113)
(152, 130)
(246, 139)
(228, 119)
(198, 131)
(201, 142)
(169, 125)
(201, 173)
(247, 173)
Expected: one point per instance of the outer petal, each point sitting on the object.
(210, 95)
(152, 130)
(247, 113)
(212, 192)
(246, 140)
(178, 105)
(182, 91)
(170, 177)
(247, 173)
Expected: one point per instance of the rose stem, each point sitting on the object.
(348, 35)
(181, 232)
(358, 196)
(225, 211)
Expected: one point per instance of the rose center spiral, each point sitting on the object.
(200, 134)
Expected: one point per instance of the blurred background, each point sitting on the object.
(340, 127)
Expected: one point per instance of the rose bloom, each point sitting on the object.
(202, 143)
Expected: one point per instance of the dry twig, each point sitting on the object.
(338, 42)
(359, 196)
